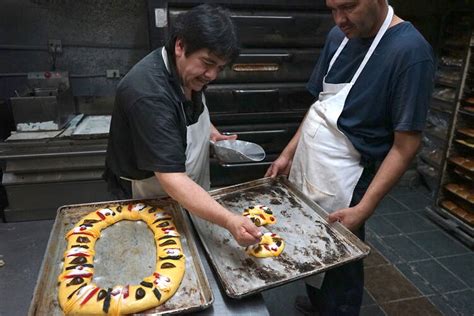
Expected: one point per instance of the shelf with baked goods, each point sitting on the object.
(453, 208)
(446, 83)
(430, 156)
(461, 193)
(437, 126)
(461, 169)
(467, 107)
(442, 105)
(466, 145)
(469, 86)
(466, 132)
(451, 62)
(429, 173)
(439, 133)
(463, 174)
(448, 76)
(433, 158)
(464, 163)
(453, 222)
(462, 153)
(444, 94)
(454, 203)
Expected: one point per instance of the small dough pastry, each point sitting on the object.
(467, 131)
(470, 100)
(457, 160)
(79, 296)
(465, 143)
(461, 190)
(260, 215)
(453, 187)
(270, 245)
(458, 211)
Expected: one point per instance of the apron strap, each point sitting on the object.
(338, 52)
(380, 33)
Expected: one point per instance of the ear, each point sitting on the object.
(178, 48)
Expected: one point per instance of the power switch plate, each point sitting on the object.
(112, 73)
(55, 46)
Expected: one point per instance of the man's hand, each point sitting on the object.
(351, 218)
(195, 199)
(280, 166)
(217, 136)
(244, 231)
(404, 148)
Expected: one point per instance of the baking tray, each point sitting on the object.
(92, 126)
(127, 261)
(312, 245)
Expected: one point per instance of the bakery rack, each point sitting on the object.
(453, 107)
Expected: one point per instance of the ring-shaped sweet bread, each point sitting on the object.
(79, 296)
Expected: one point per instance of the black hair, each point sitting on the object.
(205, 26)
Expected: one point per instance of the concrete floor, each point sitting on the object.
(415, 267)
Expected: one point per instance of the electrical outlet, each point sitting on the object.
(55, 46)
(112, 73)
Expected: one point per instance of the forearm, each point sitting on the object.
(392, 168)
(193, 197)
(217, 136)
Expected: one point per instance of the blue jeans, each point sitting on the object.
(343, 287)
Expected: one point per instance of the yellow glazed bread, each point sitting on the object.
(79, 296)
(260, 215)
(270, 245)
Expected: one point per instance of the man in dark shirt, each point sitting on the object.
(373, 82)
(160, 130)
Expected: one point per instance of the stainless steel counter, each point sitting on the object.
(223, 305)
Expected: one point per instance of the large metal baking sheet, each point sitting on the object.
(93, 126)
(312, 245)
(125, 254)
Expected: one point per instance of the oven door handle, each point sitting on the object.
(249, 91)
(245, 164)
(265, 58)
(272, 131)
(259, 19)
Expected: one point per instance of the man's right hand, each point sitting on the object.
(244, 231)
(280, 166)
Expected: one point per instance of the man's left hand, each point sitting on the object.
(350, 217)
(216, 136)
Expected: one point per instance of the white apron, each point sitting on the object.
(197, 156)
(326, 166)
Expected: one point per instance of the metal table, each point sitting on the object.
(223, 305)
